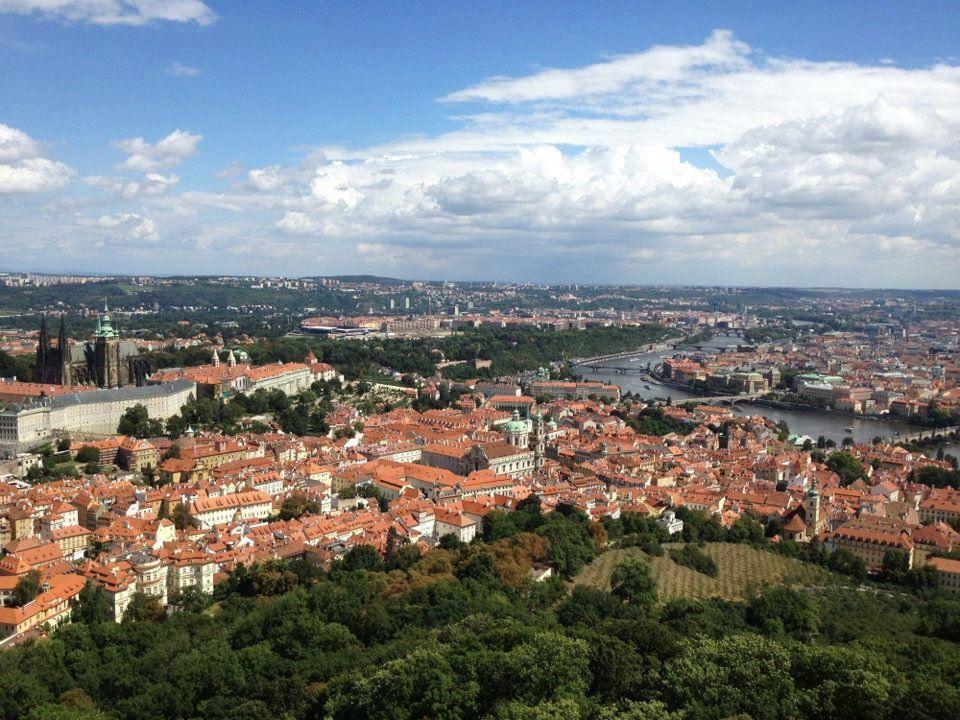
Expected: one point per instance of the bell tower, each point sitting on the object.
(811, 508)
(539, 440)
(106, 350)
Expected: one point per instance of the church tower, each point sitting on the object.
(539, 440)
(811, 509)
(106, 352)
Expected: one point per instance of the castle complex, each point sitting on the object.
(105, 361)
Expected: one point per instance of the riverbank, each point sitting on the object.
(785, 405)
(800, 419)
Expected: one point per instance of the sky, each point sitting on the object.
(717, 143)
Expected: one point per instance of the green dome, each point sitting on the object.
(104, 325)
(516, 426)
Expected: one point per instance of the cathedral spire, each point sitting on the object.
(43, 349)
(65, 371)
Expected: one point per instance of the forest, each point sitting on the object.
(461, 633)
(511, 350)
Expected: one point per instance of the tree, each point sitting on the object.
(27, 588)
(846, 466)
(49, 711)
(895, 565)
(571, 546)
(936, 477)
(88, 454)
(633, 583)
(450, 541)
(362, 557)
(91, 605)
(548, 667)
(746, 530)
(774, 527)
(296, 505)
(144, 608)
(692, 557)
(848, 683)
(845, 562)
(404, 556)
(632, 710)
(181, 516)
(781, 609)
(136, 422)
(477, 565)
(784, 430)
(741, 674)
(588, 606)
(419, 685)
(190, 600)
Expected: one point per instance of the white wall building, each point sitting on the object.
(97, 412)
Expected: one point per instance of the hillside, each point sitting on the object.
(742, 569)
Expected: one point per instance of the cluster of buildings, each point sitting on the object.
(216, 501)
(224, 380)
(721, 376)
(905, 373)
(173, 516)
(89, 396)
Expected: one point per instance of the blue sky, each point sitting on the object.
(712, 142)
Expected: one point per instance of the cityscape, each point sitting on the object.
(627, 387)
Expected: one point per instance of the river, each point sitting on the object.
(801, 422)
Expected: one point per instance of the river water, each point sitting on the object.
(801, 422)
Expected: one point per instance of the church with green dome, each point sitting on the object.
(105, 360)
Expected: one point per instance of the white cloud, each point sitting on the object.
(267, 178)
(145, 156)
(639, 71)
(178, 70)
(23, 169)
(884, 170)
(115, 12)
(702, 95)
(151, 184)
(821, 172)
(130, 226)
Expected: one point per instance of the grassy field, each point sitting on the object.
(743, 569)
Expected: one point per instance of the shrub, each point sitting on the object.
(694, 558)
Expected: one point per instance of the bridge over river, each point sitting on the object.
(943, 433)
(597, 362)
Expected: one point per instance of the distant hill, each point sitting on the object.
(366, 279)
